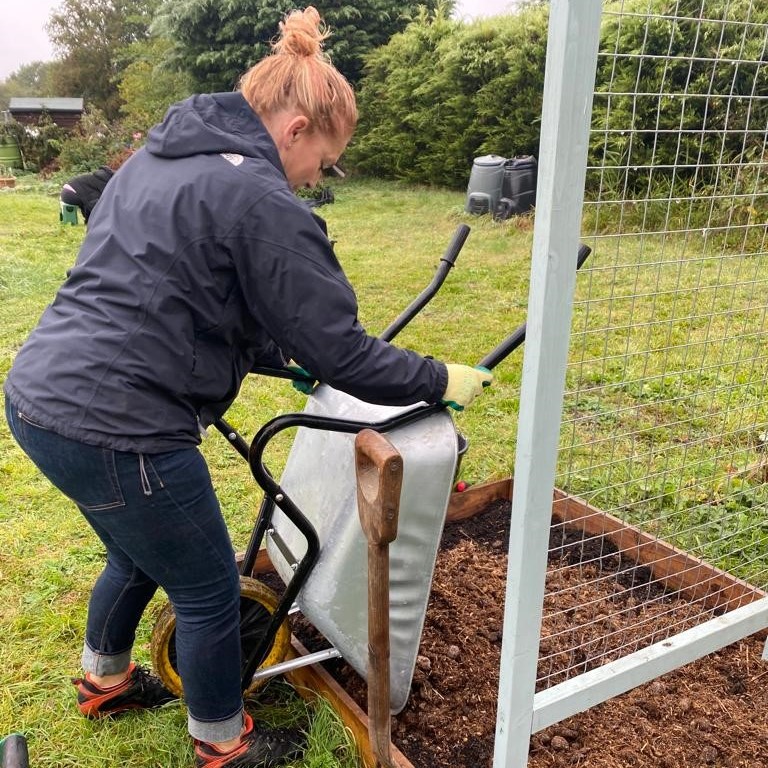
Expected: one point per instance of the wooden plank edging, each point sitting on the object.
(677, 570)
(476, 498)
(313, 681)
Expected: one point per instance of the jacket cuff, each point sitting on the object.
(442, 380)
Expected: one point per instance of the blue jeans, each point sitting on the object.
(160, 521)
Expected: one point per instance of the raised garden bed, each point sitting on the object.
(707, 713)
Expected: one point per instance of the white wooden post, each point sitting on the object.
(574, 30)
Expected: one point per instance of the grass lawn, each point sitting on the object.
(389, 239)
(664, 423)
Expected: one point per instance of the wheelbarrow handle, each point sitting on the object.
(281, 373)
(517, 337)
(447, 260)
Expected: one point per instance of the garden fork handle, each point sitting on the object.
(379, 469)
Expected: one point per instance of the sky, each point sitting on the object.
(23, 38)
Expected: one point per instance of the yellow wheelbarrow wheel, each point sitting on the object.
(257, 604)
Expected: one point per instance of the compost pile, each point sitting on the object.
(709, 713)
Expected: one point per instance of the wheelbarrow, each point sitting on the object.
(309, 525)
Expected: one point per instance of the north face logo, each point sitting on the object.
(232, 158)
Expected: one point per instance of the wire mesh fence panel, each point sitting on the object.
(661, 517)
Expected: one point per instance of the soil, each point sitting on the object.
(708, 713)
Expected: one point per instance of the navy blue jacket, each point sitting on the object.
(199, 264)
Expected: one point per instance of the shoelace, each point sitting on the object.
(269, 739)
(140, 677)
(147, 682)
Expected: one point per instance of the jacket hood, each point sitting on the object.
(210, 124)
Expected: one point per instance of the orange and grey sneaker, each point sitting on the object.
(140, 690)
(258, 748)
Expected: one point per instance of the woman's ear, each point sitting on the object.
(295, 127)
(285, 129)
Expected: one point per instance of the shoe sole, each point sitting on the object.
(90, 709)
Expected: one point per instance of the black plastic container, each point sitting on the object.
(485, 184)
(519, 185)
(502, 187)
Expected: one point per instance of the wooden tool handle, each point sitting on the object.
(379, 482)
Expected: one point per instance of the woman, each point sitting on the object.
(199, 263)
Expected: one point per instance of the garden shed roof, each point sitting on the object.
(49, 104)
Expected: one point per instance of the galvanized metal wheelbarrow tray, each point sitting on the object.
(320, 478)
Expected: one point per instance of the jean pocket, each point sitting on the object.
(85, 473)
(31, 422)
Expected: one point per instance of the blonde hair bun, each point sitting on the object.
(299, 76)
(301, 34)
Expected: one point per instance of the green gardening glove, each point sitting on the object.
(306, 385)
(464, 385)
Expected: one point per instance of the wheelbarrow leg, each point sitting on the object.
(379, 469)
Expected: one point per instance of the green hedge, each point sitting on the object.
(443, 92)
